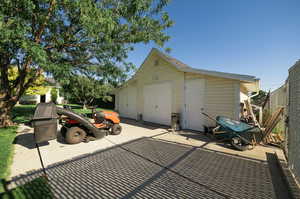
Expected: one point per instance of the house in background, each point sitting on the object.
(35, 99)
(164, 85)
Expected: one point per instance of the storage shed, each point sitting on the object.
(164, 85)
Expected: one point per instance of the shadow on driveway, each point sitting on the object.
(147, 125)
(148, 168)
(27, 140)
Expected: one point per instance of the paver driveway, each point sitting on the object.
(151, 168)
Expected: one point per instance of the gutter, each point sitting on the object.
(256, 94)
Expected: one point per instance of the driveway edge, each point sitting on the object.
(294, 189)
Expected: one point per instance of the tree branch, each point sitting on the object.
(39, 33)
(4, 75)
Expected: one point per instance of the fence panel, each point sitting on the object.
(294, 120)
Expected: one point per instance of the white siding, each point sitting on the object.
(222, 98)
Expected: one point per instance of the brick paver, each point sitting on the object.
(148, 168)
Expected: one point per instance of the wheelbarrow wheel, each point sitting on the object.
(75, 135)
(238, 144)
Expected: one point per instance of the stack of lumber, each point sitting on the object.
(274, 139)
(271, 123)
(268, 126)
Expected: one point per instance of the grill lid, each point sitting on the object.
(45, 111)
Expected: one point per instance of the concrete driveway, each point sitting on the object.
(150, 162)
(26, 156)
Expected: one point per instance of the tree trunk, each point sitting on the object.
(84, 105)
(5, 114)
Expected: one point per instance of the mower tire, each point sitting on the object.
(116, 129)
(63, 131)
(75, 135)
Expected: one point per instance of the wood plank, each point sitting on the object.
(250, 112)
(273, 122)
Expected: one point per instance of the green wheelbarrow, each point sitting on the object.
(239, 134)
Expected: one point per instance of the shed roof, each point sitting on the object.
(249, 82)
(185, 68)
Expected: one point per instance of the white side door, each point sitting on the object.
(194, 104)
(158, 103)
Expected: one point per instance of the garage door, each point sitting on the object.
(158, 103)
(194, 104)
(127, 102)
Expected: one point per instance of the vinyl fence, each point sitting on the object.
(278, 99)
(294, 119)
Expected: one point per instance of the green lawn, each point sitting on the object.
(35, 189)
(23, 113)
(7, 136)
(87, 111)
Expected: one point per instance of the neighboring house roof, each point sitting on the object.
(51, 81)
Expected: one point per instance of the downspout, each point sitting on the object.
(258, 107)
(184, 103)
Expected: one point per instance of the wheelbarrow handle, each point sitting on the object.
(209, 117)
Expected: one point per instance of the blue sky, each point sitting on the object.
(257, 37)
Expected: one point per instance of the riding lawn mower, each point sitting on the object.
(75, 131)
(75, 128)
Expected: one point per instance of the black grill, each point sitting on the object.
(45, 122)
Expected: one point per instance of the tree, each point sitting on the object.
(38, 87)
(85, 90)
(66, 37)
(260, 98)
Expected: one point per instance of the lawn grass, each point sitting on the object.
(7, 136)
(35, 189)
(23, 113)
(87, 111)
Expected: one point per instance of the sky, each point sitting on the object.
(257, 37)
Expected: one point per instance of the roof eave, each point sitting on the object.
(246, 78)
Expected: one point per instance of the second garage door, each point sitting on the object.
(158, 103)
(127, 102)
